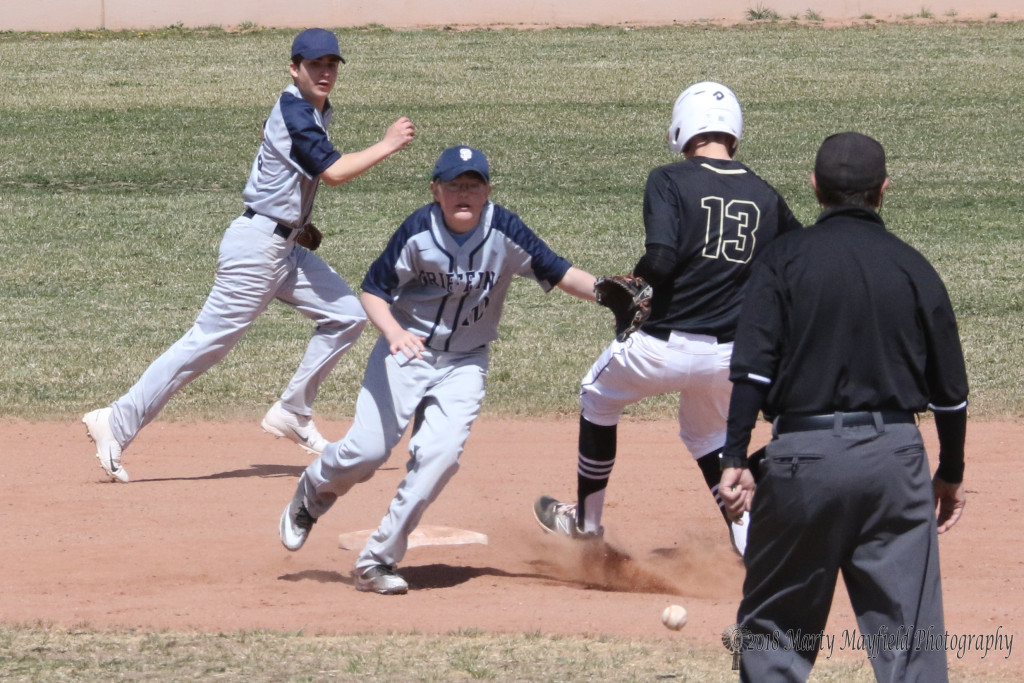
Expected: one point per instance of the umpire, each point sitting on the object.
(845, 334)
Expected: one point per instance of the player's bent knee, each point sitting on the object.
(602, 416)
(343, 329)
(439, 465)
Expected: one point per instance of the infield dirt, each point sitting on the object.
(191, 543)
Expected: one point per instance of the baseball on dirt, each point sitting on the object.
(674, 617)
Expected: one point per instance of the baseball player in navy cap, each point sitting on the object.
(436, 294)
(314, 43)
(267, 254)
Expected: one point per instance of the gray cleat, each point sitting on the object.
(381, 579)
(560, 519)
(296, 522)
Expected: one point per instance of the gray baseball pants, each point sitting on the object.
(255, 266)
(441, 395)
(856, 501)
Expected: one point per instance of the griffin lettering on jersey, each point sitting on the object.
(459, 283)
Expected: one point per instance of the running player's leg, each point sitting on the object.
(251, 265)
(442, 424)
(391, 389)
(625, 373)
(704, 408)
(315, 289)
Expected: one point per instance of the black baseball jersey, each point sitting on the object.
(845, 316)
(717, 216)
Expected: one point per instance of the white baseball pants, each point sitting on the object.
(695, 365)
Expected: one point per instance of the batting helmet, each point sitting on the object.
(705, 107)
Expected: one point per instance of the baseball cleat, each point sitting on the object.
(108, 450)
(738, 534)
(560, 519)
(381, 579)
(298, 428)
(296, 522)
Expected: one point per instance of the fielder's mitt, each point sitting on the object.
(630, 300)
(310, 237)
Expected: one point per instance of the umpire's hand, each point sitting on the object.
(950, 499)
(737, 490)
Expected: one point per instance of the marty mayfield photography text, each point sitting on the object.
(872, 644)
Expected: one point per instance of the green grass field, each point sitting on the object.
(124, 156)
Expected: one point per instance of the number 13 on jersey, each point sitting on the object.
(731, 228)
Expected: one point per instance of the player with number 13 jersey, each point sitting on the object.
(711, 217)
(706, 219)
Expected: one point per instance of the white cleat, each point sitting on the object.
(108, 450)
(297, 428)
(296, 522)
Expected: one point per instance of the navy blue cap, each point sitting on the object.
(850, 162)
(314, 43)
(455, 161)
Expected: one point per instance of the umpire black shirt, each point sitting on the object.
(845, 316)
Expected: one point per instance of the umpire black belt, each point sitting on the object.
(807, 423)
(282, 230)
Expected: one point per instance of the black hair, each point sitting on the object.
(865, 199)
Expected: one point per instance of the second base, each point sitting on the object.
(422, 535)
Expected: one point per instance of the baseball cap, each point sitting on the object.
(851, 162)
(455, 161)
(314, 43)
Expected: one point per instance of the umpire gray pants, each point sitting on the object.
(856, 500)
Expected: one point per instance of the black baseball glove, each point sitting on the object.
(309, 237)
(629, 298)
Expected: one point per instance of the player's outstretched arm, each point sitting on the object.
(399, 339)
(353, 164)
(578, 283)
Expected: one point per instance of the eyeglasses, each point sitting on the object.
(463, 188)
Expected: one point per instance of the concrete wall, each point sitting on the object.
(63, 15)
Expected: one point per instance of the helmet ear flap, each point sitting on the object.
(675, 141)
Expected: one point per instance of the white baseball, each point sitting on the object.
(674, 617)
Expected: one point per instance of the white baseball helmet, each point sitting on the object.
(705, 107)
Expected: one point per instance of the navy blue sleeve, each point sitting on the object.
(546, 266)
(383, 275)
(310, 149)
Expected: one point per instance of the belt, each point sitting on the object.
(808, 423)
(664, 335)
(281, 230)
